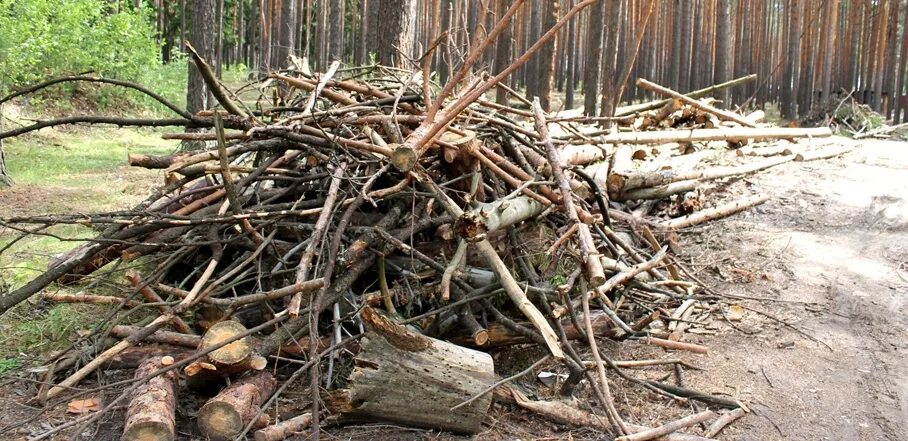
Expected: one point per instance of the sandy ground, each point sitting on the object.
(829, 251)
(832, 246)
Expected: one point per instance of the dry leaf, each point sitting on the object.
(735, 313)
(80, 407)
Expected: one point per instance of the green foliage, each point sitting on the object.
(42, 38)
(8, 365)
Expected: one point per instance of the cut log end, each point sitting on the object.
(148, 431)
(232, 353)
(403, 158)
(220, 421)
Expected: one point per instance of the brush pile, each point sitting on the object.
(359, 219)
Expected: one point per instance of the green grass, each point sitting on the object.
(65, 158)
(79, 170)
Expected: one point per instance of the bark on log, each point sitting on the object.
(719, 134)
(132, 358)
(719, 113)
(500, 335)
(151, 412)
(224, 416)
(621, 181)
(719, 212)
(165, 337)
(630, 110)
(407, 378)
(824, 153)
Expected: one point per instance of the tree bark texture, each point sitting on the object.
(396, 34)
(200, 36)
(152, 410)
(404, 377)
(224, 416)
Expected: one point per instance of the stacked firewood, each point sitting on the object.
(370, 219)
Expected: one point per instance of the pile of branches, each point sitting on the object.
(369, 218)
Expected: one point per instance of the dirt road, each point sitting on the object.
(832, 247)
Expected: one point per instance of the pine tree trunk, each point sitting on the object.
(286, 33)
(790, 78)
(5, 180)
(336, 24)
(502, 51)
(593, 63)
(396, 35)
(570, 55)
(200, 36)
(546, 77)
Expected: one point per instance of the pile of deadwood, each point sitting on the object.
(372, 238)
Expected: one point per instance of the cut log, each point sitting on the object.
(622, 181)
(407, 378)
(234, 356)
(824, 153)
(165, 337)
(232, 359)
(718, 134)
(659, 192)
(132, 358)
(475, 225)
(151, 412)
(721, 114)
(630, 110)
(284, 429)
(719, 212)
(223, 417)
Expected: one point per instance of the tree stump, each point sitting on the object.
(404, 377)
(224, 416)
(151, 412)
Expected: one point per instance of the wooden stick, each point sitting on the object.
(666, 429)
(153, 297)
(88, 298)
(594, 272)
(721, 114)
(724, 420)
(284, 429)
(161, 336)
(677, 345)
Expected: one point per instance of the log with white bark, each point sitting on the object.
(223, 417)
(622, 181)
(406, 378)
(717, 134)
(152, 410)
(823, 153)
(719, 212)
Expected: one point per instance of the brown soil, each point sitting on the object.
(830, 249)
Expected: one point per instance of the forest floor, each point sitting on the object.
(828, 254)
